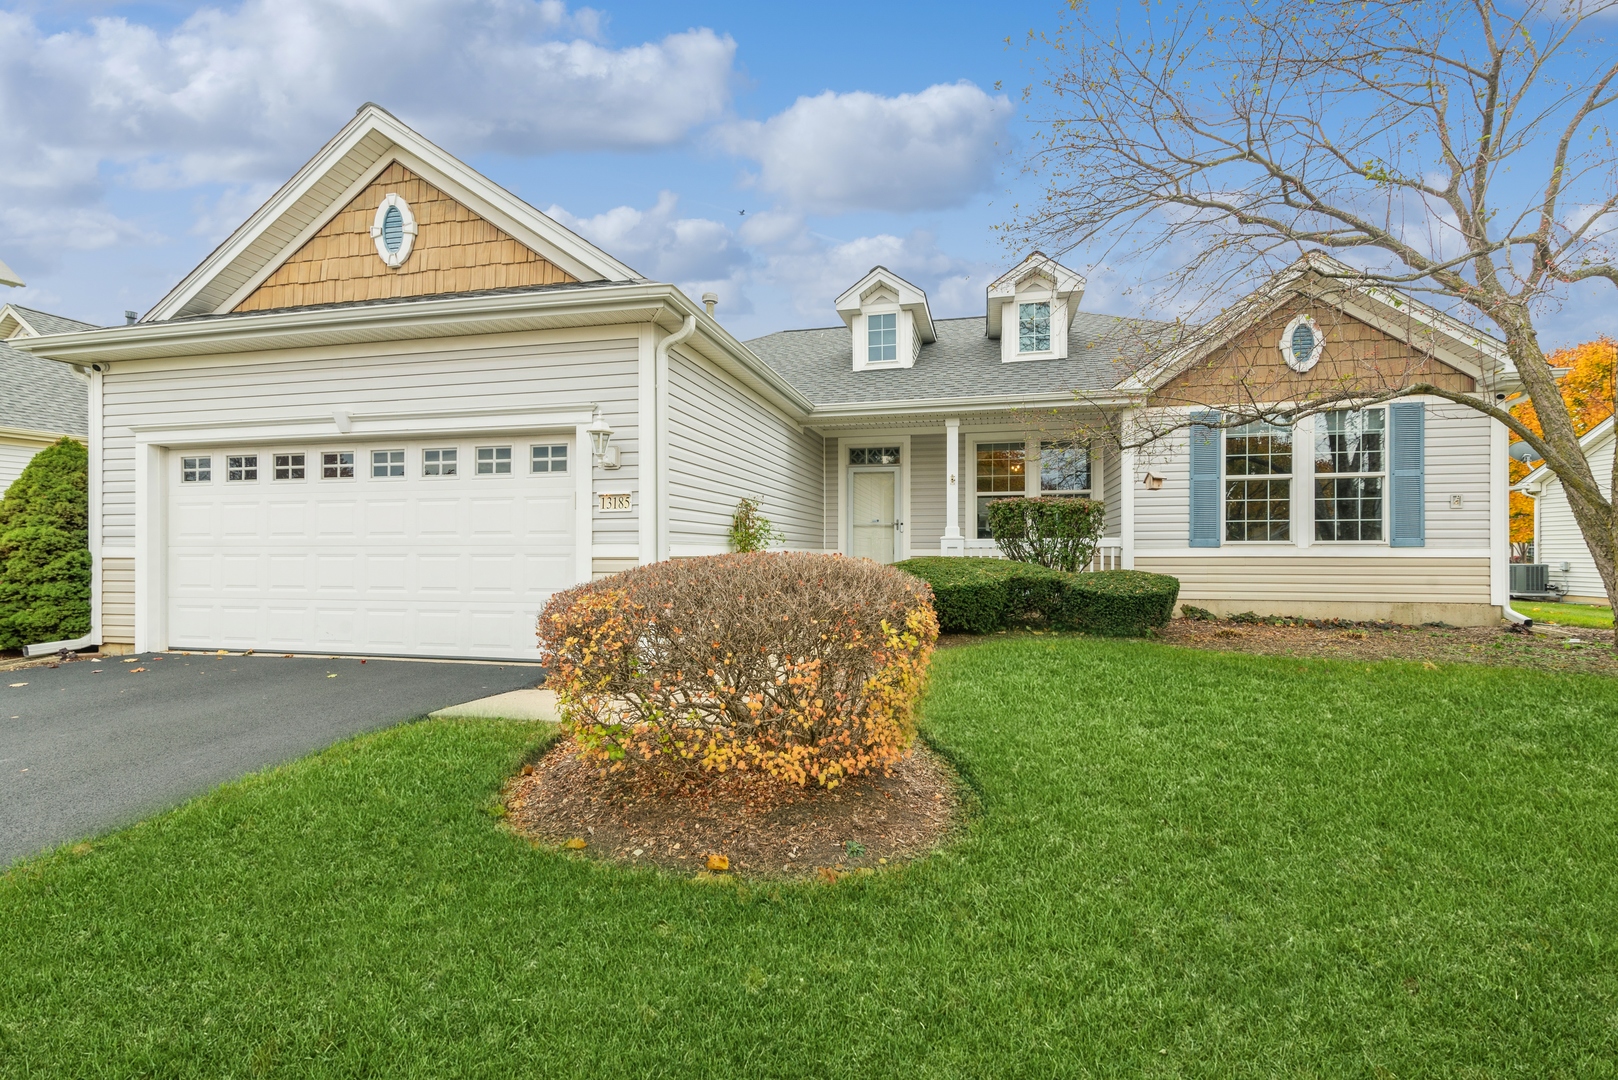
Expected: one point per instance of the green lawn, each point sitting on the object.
(1567, 614)
(1186, 864)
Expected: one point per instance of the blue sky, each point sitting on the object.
(137, 136)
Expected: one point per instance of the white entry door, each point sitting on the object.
(873, 500)
(447, 547)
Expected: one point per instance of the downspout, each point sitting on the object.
(660, 467)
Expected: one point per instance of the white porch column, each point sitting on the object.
(1126, 498)
(953, 543)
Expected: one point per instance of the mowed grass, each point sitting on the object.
(1590, 615)
(1183, 863)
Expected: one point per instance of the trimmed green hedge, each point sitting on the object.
(980, 596)
(45, 549)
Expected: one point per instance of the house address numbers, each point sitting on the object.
(614, 502)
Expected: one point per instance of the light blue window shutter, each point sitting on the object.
(1407, 526)
(1205, 461)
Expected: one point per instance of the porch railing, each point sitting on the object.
(1109, 555)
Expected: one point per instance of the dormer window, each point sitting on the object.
(1034, 327)
(882, 338)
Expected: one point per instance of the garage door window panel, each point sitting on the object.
(337, 465)
(289, 467)
(548, 459)
(441, 461)
(196, 470)
(494, 461)
(241, 467)
(387, 464)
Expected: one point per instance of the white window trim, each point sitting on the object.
(394, 259)
(244, 455)
(903, 331)
(567, 460)
(969, 469)
(1011, 337)
(846, 443)
(494, 460)
(403, 462)
(441, 475)
(1314, 354)
(355, 465)
(1319, 423)
(1292, 496)
(1050, 326)
(273, 454)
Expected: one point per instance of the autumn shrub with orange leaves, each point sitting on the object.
(806, 667)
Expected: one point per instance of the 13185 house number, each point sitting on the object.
(614, 502)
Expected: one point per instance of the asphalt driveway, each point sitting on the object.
(92, 745)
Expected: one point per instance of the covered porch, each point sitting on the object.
(914, 486)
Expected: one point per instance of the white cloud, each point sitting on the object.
(240, 97)
(771, 270)
(860, 151)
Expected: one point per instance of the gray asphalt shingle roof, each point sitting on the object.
(44, 322)
(964, 362)
(42, 395)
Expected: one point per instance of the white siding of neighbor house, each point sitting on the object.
(1280, 576)
(927, 493)
(724, 445)
(540, 373)
(1560, 539)
(14, 457)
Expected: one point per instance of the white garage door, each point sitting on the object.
(440, 548)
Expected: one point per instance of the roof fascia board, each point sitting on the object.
(406, 143)
(10, 311)
(951, 406)
(237, 243)
(34, 436)
(321, 220)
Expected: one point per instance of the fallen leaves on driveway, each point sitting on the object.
(135, 669)
(19, 684)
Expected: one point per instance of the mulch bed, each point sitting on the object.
(1559, 649)
(645, 817)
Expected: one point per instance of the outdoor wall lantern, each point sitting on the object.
(600, 433)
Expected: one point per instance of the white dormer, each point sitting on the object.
(1030, 309)
(889, 320)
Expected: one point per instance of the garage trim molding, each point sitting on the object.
(151, 488)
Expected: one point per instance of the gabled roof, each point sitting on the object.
(1066, 284)
(8, 276)
(911, 298)
(18, 321)
(342, 168)
(1330, 281)
(39, 396)
(1590, 441)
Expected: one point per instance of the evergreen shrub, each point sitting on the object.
(45, 549)
(808, 667)
(982, 595)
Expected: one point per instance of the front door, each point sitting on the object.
(873, 501)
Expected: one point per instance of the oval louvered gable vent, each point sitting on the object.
(1303, 343)
(394, 230)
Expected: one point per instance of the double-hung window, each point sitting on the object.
(882, 338)
(1258, 483)
(1064, 468)
(1034, 327)
(1350, 464)
(1002, 471)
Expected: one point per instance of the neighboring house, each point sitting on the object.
(40, 401)
(399, 408)
(1558, 543)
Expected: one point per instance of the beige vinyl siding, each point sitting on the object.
(1456, 463)
(927, 493)
(1560, 539)
(495, 376)
(724, 445)
(118, 600)
(14, 457)
(1107, 483)
(1316, 575)
(829, 502)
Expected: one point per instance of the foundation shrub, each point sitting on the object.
(807, 667)
(45, 549)
(1061, 533)
(980, 596)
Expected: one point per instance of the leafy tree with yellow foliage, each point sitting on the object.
(1587, 390)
